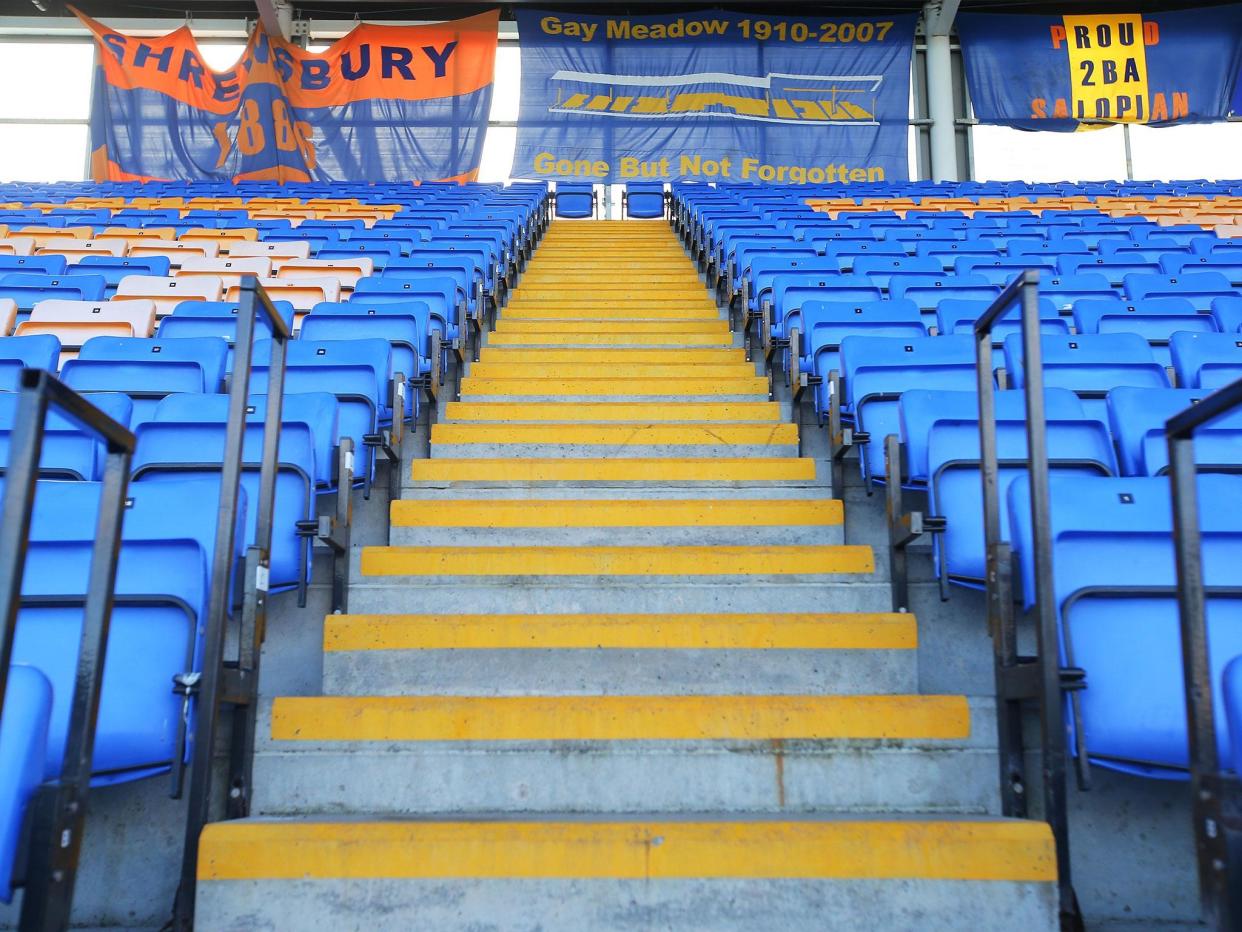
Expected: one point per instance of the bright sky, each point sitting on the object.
(57, 152)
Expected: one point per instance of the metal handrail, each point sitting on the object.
(1215, 797)
(59, 810)
(235, 683)
(1018, 678)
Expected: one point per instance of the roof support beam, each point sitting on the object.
(276, 18)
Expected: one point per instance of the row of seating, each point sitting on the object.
(162, 371)
(874, 305)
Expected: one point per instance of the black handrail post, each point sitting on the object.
(1024, 290)
(59, 808)
(237, 685)
(1209, 788)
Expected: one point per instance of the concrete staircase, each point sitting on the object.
(618, 669)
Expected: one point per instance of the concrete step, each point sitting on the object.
(610, 411)
(631, 523)
(507, 655)
(641, 440)
(561, 325)
(602, 387)
(603, 594)
(714, 873)
(613, 471)
(680, 356)
(582, 336)
(772, 561)
(609, 370)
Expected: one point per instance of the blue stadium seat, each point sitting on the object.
(1115, 587)
(401, 332)
(1090, 365)
(1231, 689)
(355, 371)
(880, 269)
(162, 588)
(440, 293)
(68, 451)
(878, 369)
(1229, 265)
(644, 199)
(824, 324)
(1227, 312)
(1154, 319)
(1063, 290)
(575, 199)
(39, 265)
(147, 369)
(28, 289)
(927, 291)
(1199, 288)
(1137, 417)
(185, 438)
(23, 748)
(1206, 360)
(1114, 268)
(39, 351)
(940, 431)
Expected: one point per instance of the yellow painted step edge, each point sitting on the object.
(618, 718)
(656, 469)
(770, 560)
(698, 512)
(733, 434)
(1017, 850)
(862, 631)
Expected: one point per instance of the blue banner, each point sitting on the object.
(1062, 72)
(383, 103)
(713, 96)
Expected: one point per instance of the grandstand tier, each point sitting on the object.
(563, 680)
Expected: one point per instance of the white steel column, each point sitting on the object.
(937, 22)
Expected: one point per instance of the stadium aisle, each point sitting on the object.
(618, 668)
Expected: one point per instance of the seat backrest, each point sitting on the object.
(1153, 318)
(1197, 287)
(40, 265)
(272, 249)
(69, 451)
(1137, 417)
(29, 289)
(1114, 579)
(209, 353)
(1072, 433)
(167, 293)
(1206, 360)
(895, 365)
(138, 314)
(1090, 363)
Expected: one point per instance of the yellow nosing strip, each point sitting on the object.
(619, 434)
(655, 388)
(580, 310)
(691, 512)
(771, 560)
(573, 469)
(624, 357)
(563, 324)
(609, 370)
(624, 293)
(1018, 850)
(590, 338)
(618, 718)
(879, 631)
(573, 411)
